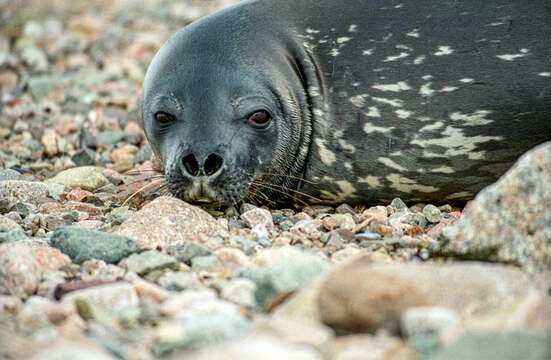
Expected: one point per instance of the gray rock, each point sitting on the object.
(181, 280)
(84, 244)
(399, 205)
(35, 58)
(145, 153)
(12, 236)
(204, 261)
(198, 331)
(287, 276)
(258, 216)
(432, 213)
(40, 86)
(427, 321)
(8, 224)
(149, 261)
(191, 249)
(239, 291)
(509, 221)
(84, 157)
(497, 346)
(9, 174)
(110, 137)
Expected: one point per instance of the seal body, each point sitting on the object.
(350, 101)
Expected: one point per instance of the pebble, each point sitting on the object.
(432, 213)
(191, 249)
(199, 331)
(289, 275)
(19, 270)
(179, 281)
(83, 244)
(86, 177)
(84, 157)
(148, 261)
(258, 216)
(23, 191)
(240, 292)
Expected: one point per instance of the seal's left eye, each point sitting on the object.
(163, 118)
(261, 117)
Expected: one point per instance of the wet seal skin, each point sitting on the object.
(350, 101)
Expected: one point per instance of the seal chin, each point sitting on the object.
(227, 188)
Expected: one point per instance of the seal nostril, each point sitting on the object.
(191, 165)
(212, 164)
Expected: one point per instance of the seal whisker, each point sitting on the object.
(289, 177)
(284, 191)
(143, 188)
(289, 190)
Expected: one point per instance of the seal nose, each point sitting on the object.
(210, 166)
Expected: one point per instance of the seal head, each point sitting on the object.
(223, 126)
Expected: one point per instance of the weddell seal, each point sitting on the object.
(355, 101)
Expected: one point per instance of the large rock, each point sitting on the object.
(365, 297)
(168, 221)
(509, 221)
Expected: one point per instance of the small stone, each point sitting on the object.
(126, 152)
(240, 292)
(7, 224)
(289, 275)
(447, 208)
(329, 223)
(149, 261)
(40, 86)
(83, 244)
(191, 249)
(112, 296)
(19, 270)
(497, 346)
(145, 153)
(368, 236)
(23, 191)
(179, 281)
(86, 177)
(9, 174)
(398, 205)
(12, 236)
(432, 213)
(84, 157)
(345, 209)
(258, 216)
(50, 259)
(428, 321)
(35, 58)
(198, 331)
(204, 262)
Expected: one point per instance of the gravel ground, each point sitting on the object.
(97, 261)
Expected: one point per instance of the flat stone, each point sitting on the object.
(23, 191)
(113, 296)
(86, 177)
(498, 346)
(198, 332)
(84, 244)
(149, 261)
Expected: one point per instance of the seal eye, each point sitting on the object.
(261, 117)
(163, 118)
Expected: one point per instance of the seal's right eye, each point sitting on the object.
(163, 118)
